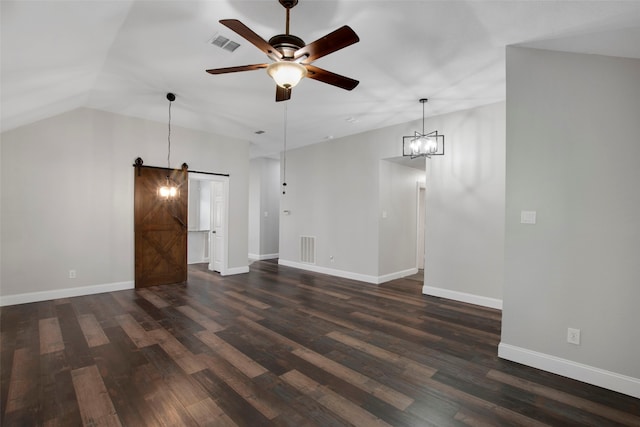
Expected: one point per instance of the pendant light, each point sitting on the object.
(423, 144)
(169, 190)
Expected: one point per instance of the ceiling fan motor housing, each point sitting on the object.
(286, 44)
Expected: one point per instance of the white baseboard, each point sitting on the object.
(257, 257)
(568, 368)
(376, 280)
(463, 297)
(25, 298)
(397, 275)
(235, 270)
(63, 293)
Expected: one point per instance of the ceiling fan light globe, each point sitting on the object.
(286, 74)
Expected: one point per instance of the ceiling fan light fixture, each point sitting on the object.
(287, 74)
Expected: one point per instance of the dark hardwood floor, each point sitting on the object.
(278, 346)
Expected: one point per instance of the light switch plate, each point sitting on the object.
(527, 217)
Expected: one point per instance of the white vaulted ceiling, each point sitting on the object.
(124, 56)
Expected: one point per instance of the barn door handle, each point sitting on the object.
(180, 221)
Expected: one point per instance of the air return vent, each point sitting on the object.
(224, 43)
(308, 249)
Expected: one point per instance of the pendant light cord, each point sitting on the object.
(169, 140)
(423, 102)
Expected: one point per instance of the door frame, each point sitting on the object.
(421, 189)
(225, 223)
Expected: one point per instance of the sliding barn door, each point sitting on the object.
(160, 228)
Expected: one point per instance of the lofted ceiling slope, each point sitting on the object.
(123, 56)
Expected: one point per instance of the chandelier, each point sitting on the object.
(423, 144)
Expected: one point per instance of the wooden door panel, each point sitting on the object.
(160, 228)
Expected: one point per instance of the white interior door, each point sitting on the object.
(218, 240)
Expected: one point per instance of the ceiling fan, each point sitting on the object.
(291, 57)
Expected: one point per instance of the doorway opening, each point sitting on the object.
(209, 221)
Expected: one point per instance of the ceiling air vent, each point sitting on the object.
(231, 46)
(224, 43)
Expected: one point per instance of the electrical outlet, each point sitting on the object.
(573, 336)
(72, 274)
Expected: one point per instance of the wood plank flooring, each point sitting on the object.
(278, 347)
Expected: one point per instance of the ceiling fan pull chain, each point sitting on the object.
(284, 153)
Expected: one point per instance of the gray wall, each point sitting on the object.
(67, 196)
(255, 178)
(573, 132)
(338, 189)
(332, 194)
(464, 254)
(264, 207)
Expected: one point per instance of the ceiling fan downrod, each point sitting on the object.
(288, 4)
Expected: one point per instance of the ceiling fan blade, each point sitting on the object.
(252, 37)
(236, 69)
(340, 38)
(282, 94)
(334, 79)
